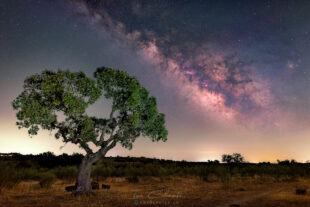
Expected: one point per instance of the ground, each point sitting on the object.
(167, 191)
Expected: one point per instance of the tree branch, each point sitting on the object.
(107, 148)
(105, 143)
(102, 152)
(101, 139)
(85, 146)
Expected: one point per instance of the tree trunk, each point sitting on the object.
(82, 184)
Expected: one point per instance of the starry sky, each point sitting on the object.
(231, 76)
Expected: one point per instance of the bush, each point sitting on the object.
(29, 174)
(101, 172)
(9, 176)
(66, 173)
(204, 172)
(151, 170)
(223, 173)
(162, 171)
(47, 180)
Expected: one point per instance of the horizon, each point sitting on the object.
(230, 76)
(164, 159)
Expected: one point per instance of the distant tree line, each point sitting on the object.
(47, 167)
(45, 160)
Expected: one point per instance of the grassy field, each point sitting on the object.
(40, 180)
(165, 191)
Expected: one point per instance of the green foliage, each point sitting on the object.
(204, 173)
(51, 96)
(9, 177)
(14, 169)
(153, 169)
(49, 92)
(138, 113)
(29, 173)
(100, 172)
(47, 180)
(68, 173)
(224, 175)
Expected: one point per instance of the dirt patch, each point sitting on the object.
(168, 191)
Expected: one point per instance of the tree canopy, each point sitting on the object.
(57, 101)
(234, 158)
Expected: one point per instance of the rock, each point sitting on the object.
(70, 188)
(301, 191)
(241, 189)
(105, 186)
(94, 185)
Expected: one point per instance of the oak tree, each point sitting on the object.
(57, 101)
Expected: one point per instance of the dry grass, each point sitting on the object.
(168, 191)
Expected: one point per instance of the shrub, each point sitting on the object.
(204, 173)
(9, 176)
(118, 172)
(133, 171)
(66, 173)
(29, 174)
(101, 172)
(223, 173)
(47, 180)
(162, 171)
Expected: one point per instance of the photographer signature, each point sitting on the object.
(161, 193)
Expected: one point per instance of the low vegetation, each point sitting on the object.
(15, 168)
(47, 179)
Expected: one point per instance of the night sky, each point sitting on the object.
(231, 76)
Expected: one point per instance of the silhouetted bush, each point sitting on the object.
(234, 158)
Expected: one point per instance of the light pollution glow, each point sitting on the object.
(216, 98)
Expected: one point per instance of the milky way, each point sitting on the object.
(227, 59)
